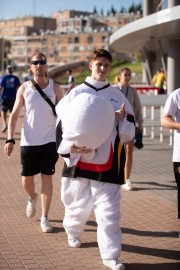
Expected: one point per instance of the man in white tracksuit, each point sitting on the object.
(96, 184)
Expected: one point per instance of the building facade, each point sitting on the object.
(68, 36)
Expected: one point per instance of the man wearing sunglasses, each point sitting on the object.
(38, 142)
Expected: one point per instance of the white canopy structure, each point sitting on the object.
(156, 37)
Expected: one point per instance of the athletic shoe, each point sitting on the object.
(114, 264)
(45, 225)
(74, 242)
(31, 207)
(4, 128)
(128, 185)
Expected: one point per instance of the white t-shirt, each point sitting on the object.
(172, 107)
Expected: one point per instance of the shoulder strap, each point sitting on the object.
(127, 89)
(97, 89)
(44, 96)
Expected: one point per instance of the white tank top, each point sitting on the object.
(39, 122)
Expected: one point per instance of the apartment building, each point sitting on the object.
(68, 36)
(26, 36)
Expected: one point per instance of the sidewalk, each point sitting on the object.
(149, 219)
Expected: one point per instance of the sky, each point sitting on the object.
(10, 9)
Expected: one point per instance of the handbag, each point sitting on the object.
(138, 140)
(127, 128)
(44, 96)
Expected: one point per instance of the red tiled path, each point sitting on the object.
(149, 219)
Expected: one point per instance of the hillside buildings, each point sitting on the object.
(68, 36)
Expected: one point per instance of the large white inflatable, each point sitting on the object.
(87, 120)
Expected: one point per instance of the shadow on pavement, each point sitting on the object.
(155, 252)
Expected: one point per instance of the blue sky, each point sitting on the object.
(16, 8)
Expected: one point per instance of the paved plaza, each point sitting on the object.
(149, 223)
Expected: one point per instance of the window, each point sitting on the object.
(76, 49)
(104, 39)
(76, 40)
(70, 40)
(90, 40)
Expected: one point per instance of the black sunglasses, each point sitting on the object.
(38, 62)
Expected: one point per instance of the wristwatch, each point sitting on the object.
(10, 141)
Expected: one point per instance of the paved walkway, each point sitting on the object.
(149, 219)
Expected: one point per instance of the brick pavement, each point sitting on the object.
(149, 219)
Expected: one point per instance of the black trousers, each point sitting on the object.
(177, 178)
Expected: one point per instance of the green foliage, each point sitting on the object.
(135, 8)
(135, 67)
(113, 11)
(80, 77)
(95, 10)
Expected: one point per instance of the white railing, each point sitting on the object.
(147, 89)
(152, 108)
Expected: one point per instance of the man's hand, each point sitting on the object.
(80, 150)
(121, 112)
(8, 148)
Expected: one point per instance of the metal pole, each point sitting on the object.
(2, 65)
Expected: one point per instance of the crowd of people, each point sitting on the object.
(91, 179)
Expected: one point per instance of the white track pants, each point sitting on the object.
(80, 196)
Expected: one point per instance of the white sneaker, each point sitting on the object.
(128, 185)
(114, 264)
(31, 207)
(4, 128)
(74, 242)
(45, 225)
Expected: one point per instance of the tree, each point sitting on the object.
(113, 11)
(131, 8)
(139, 8)
(122, 10)
(6, 50)
(102, 12)
(95, 10)
(135, 8)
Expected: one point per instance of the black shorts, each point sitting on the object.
(177, 178)
(7, 105)
(39, 159)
